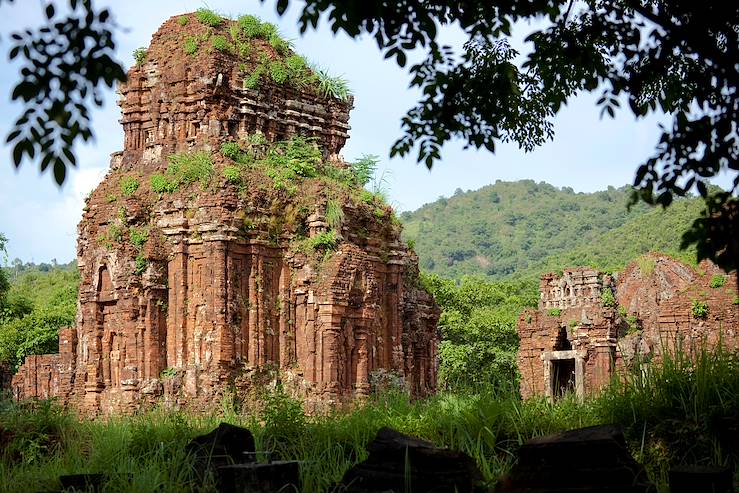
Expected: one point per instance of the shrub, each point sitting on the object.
(281, 46)
(633, 324)
(160, 184)
(110, 198)
(141, 264)
(253, 79)
(699, 309)
(139, 56)
(138, 236)
(328, 240)
(221, 44)
(278, 71)
(129, 185)
(607, 298)
(183, 20)
(231, 150)
(331, 87)
(208, 17)
(191, 45)
(188, 168)
(250, 26)
(232, 174)
(554, 312)
(299, 155)
(646, 265)
(717, 281)
(364, 168)
(411, 243)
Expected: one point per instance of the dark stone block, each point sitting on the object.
(82, 482)
(701, 479)
(398, 463)
(226, 445)
(260, 477)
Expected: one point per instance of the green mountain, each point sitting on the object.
(524, 228)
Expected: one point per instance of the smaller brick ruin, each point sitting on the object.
(591, 326)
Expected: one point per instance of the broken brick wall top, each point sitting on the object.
(202, 83)
(230, 241)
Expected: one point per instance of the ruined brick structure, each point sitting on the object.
(590, 326)
(209, 284)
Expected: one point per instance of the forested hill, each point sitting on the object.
(524, 228)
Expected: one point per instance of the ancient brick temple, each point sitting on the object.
(590, 326)
(198, 280)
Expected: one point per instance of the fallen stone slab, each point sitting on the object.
(593, 459)
(226, 445)
(701, 479)
(260, 477)
(400, 463)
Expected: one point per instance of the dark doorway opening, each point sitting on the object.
(564, 377)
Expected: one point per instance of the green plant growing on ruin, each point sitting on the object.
(717, 281)
(411, 244)
(110, 198)
(334, 214)
(221, 44)
(607, 297)
(699, 309)
(141, 264)
(299, 155)
(554, 312)
(185, 169)
(139, 56)
(254, 78)
(191, 45)
(183, 20)
(252, 27)
(278, 71)
(331, 86)
(232, 174)
(138, 236)
(633, 324)
(168, 373)
(622, 312)
(646, 265)
(231, 150)
(327, 241)
(736, 301)
(364, 168)
(129, 185)
(208, 17)
(572, 324)
(160, 184)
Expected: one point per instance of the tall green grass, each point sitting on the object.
(681, 411)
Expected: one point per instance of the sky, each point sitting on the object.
(588, 153)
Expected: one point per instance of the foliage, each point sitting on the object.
(646, 266)
(139, 56)
(64, 63)
(633, 324)
(699, 309)
(208, 17)
(334, 214)
(554, 312)
(327, 241)
(232, 174)
(191, 45)
(607, 298)
(38, 303)
(140, 264)
(478, 329)
(183, 20)
(332, 86)
(231, 150)
(129, 185)
(184, 169)
(220, 43)
(252, 27)
(364, 168)
(717, 281)
(138, 236)
(526, 228)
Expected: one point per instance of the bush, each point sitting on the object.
(334, 214)
(232, 174)
(332, 87)
(221, 44)
(251, 26)
(183, 20)
(141, 264)
(278, 71)
(699, 309)
(191, 45)
(208, 17)
(607, 298)
(188, 168)
(364, 168)
(328, 240)
(139, 56)
(231, 150)
(160, 184)
(129, 185)
(554, 312)
(717, 281)
(138, 236)
(254, 78)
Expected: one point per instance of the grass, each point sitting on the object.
(184, 169)
(682, 411)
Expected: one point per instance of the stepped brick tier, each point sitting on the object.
(189, 290)
(591, 326)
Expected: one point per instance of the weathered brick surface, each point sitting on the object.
(224, 296)
(654, 298)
